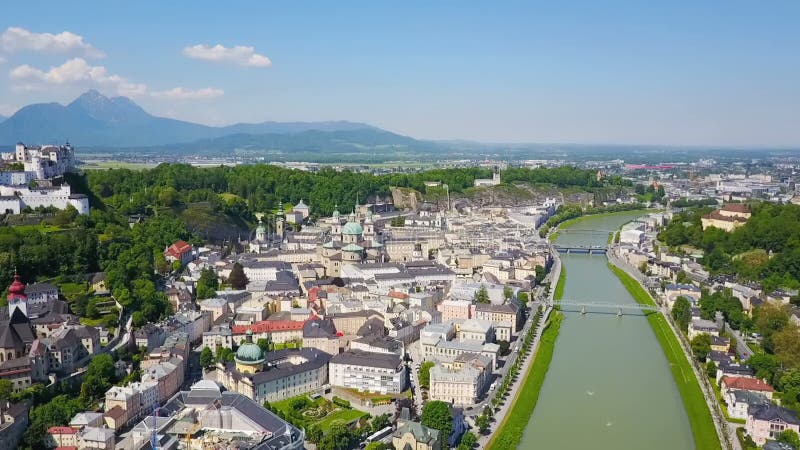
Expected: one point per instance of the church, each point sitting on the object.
(351, 242)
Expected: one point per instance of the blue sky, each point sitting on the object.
(611, 72)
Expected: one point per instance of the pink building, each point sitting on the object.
(456, 309)
(768, 421)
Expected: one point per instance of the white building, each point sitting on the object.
(368, 372)
(461, 382)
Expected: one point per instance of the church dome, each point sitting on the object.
(352, 228)
(260, 228)
(17, 289)
(248, 352)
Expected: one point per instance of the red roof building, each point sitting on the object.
(279, 331)
(179, 251)
(746, 384)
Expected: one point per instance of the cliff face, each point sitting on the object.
(406, 198)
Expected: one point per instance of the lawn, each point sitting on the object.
(703, 430)
(336, 415)
(509, 432)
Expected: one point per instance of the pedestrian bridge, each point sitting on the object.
(620, 309)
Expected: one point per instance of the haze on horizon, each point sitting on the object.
(718, 73)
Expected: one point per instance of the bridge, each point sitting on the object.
(601, 307)
(581, 249)
(585, 230)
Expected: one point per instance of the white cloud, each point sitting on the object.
(77, 72)
(180, 93)
(18, 39)
(241, 55)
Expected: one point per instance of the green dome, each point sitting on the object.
(353, 248)
(352, 228)
(248, 352)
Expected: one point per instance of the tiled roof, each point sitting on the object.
(267, 326)
(747, 384)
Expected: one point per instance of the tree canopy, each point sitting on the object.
(436, 414)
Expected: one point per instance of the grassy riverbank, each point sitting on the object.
(570, 222)
(703, 430)
(558, 294)
(509, 432)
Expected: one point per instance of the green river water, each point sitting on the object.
(609, 386)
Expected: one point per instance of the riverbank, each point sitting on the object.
(700, 420)
(576, 220)
(509, 433)
(558, 293)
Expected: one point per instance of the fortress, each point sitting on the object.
(32, 177)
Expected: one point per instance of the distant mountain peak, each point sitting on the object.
(116, 109)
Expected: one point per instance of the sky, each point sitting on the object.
(707, 73)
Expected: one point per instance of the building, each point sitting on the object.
(384, 373)
(485, 182)
(505, 318)
(13, 422)
(740, 402)
(322, 335)
(728, 218)
(754, 385)
(277, 331)
(276, 375)
(461, 382)
(204, 417)
(415, 436)
(179, 251)
(769, 421)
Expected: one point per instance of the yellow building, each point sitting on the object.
(413, 435)
(728, 218)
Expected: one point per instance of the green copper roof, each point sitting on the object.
(352, 228)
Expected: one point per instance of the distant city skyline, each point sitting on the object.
(615, 72)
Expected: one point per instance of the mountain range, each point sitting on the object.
(94, 120)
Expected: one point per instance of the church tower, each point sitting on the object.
(17, 298)
(280, 221)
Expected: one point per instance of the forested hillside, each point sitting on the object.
(766, 249)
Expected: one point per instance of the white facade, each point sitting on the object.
(16, 198)
(368, 372)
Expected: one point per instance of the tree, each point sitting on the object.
(507, 292)
(207, 284)
(93, 387)
(338, 437)
(376, 446)
(701, 346)
(540, 274)
(468, 441)
(206, 357)
(265, 344)
(102, 366)
(436, 414)
(6, 389)
(711, 369)
(224, 354)
(380, 422)
(789, 437)
(483, 422)
(682, 312)
(482, 295)
(314, 433)
(237, 278)
(787, 346)
(683, 278)
(523, 298)
(425, 374)
(505, 347)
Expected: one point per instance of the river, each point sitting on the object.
(609, 386)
